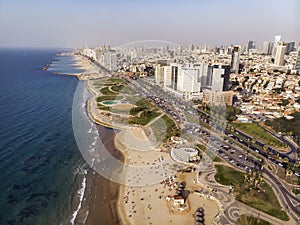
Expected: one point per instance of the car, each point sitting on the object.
(297, 174)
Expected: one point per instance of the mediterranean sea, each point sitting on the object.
(41, 167)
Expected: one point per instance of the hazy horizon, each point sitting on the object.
(69, 24)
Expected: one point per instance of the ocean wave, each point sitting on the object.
(81, 195)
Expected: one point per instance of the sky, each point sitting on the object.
(78, 23)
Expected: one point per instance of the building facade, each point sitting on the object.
(235, 59)
(280, 52)
(217, 98)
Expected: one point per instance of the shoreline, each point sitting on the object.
(101, 195)
(104, 193)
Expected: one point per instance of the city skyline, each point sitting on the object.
(77, 23)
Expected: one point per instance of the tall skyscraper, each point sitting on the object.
(270, 49)
(290, 46)
(280, 52)
(174, 75)
(235, 58)
(167, 76)
(251, 45)
(277, 39)
(159, 74)
(220, 78)
(265, 48)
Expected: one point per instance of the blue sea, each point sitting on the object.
(41, 167)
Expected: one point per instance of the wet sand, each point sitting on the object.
(104, 193)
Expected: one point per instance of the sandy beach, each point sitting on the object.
(148, 204)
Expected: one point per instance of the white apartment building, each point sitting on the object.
(188, 82)
(109, 60)
(167, 76)
(91, 53)
(235, 58)
(159, 74)
(280, 52)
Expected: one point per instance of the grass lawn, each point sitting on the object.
(142, 105)
(108, 97)
(259, 133)
(145, 117)
(201, 147)
(104, 108)
(117, 88)
(226, 175)
(128, 90)
(106, 91)
(296, 191)
(262, 198)
(98, 83)
(192, 119)
(164, 128)
(250, 220)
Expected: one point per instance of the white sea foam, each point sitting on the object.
(81, 195)
(93, 161)
(90, 131)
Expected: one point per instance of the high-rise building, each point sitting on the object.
(109, 60)
(188, 84)
(251, 45)
(270, 49)
(297, 67)
(265, 48)
(235, 59)
(290, 46)
(191, 47)
(277, 39)
(174, 75)
(167, 76)
(159, 74)
(280, 52)
(220, 78)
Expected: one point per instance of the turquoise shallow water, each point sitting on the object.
(41, 167)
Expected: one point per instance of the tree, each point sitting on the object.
(285, 102)
(231, 113)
